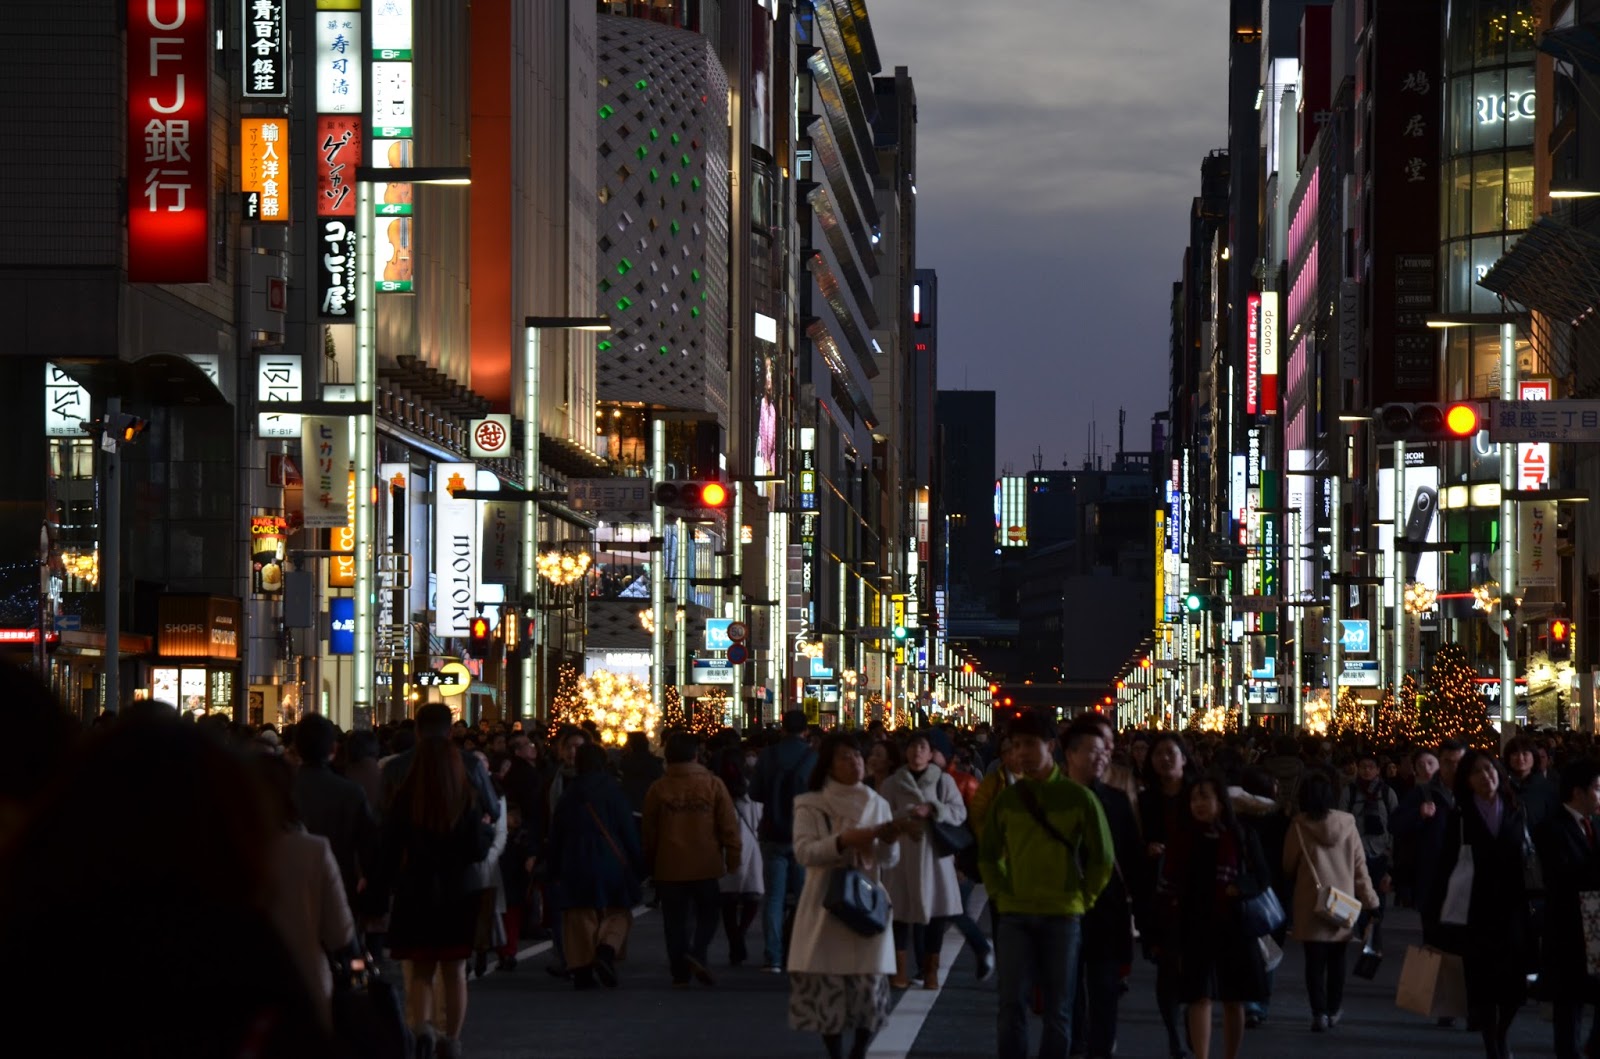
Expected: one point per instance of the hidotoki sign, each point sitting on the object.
(169, 141)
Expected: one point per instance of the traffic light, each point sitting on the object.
(1560, 640)
(900, 633)
(703, 496)
(1194, 603)
(478, 634)
(1450, 421)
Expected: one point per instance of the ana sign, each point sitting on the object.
(169, 141)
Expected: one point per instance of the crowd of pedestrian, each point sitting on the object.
(444, 846)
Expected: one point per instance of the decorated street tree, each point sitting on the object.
(568, 705)
(618, 704)
(1452, 707)
(709, 711)
(672, 717)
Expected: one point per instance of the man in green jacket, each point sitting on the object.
(1045, 855)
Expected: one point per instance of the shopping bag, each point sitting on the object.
(1271, 952)
(1589, 909)
(1458, 894)
(1431, 984)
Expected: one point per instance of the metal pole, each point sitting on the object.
(735, 717)
(111, 564)
(680, 600)
(1508, 532)
(1335, 592)
(658, 579)
(533, 657)
(366, 370)
(1397, 602)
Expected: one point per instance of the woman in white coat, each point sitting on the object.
(838, 979)
(922, 886)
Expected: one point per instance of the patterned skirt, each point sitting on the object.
(833, 1003)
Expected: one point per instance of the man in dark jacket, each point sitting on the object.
(1419, 823)
(332, 806)
(1107, 926)
(1570, 857)
(782, 771)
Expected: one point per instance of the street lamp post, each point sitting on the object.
(1508, 529)
(365, 455)
(532, 682)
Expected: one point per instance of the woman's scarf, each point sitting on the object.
(844, 804)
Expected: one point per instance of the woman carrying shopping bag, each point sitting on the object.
(1480, 897)
(1324, 855)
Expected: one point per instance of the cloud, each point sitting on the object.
(1059, 145)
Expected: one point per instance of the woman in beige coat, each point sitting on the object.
(922, 886)
(838, 979)
(1323, 848)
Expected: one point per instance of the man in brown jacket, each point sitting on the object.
(691, 839)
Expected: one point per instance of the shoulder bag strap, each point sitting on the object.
(1305, 854)
(1031, 803)
(605, 834)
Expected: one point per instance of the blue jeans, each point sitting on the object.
(1042, 952)
(783, 877)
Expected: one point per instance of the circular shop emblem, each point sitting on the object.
(491, 436)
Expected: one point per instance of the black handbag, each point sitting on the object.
(1370, 959)
(855, 900)
(948, 839)
(368, 1015)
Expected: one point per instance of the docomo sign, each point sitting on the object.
(169, 141)
(1267, 342)
(1252, 355)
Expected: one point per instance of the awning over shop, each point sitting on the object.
(1554, 268)
(1578, 45)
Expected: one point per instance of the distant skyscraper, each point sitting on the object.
(967, 462)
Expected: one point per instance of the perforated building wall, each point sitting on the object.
(663, 226)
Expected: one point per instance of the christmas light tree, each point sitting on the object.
(876, 707)
(672, 718)
(618, 704)
(1349, 713)
(567, 708)
(1316, 716)
(1452, 708)
(709, 712)
(1397, 715)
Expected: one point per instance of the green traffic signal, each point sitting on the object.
(1194, 602)
(900, 633)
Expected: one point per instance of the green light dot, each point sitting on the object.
(655, 174)
(675, 226)
(665, 351)
(695, 313)
(606, 111)
(676, 137)
(685, 161)
(642, 151)
(603, 346)
(704, 295)
(623, 304)
(694, 274)
(675, 180)
(695, 183)
(624, 267)
(655, 134)
(641, 84)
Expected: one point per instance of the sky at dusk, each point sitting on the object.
(1059, 146)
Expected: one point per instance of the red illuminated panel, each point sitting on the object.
(169, 141)
(338, 154)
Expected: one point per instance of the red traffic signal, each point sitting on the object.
(478, 631)
(1560, 629)
(1461, 420)
(710, 495)
(1429, 422)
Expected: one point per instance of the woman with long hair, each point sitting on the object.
(1208, 871)
(435, 833)
(743, 888)
(1322, 848)
(1496, 943)
(838, 979)
(1164, 815)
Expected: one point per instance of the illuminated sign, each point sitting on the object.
(168, 142)
(490, 437)
(278, 379)
(455, 550)
(342, 626)
(336, 269)
(338, 155)
(338, 62)
(391, 30)
(66, 405)
(266, 68)
(269, 538)
(325, 443)
(342, 566)
(1252, 355)
(1533, 459)
(1267, 340)
(1512, 106)
(264, 168)
(1013, 503)
(393, 120)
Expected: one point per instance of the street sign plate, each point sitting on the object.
(1356, 635)
(1256, 604)
(1558, 420)
(717, 638)
(1360, 673)
(712, 671)
(738, 654)
(738, 631)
